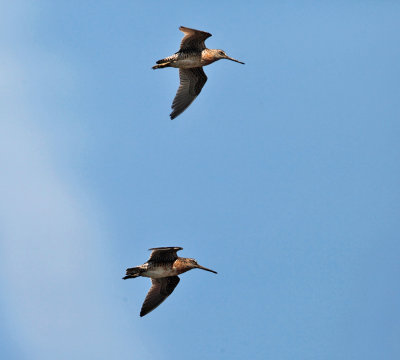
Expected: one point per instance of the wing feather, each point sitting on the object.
(191, 83)
(193, 39)
(159, 291)
(164, 254)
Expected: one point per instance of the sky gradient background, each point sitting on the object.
(283, 176)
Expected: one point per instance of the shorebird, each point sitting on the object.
(162, 267)
(190, 59)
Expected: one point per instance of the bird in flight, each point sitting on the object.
(163, 267)
(190, 59)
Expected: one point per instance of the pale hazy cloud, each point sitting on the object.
(52, 242)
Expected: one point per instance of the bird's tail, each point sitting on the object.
(166, 62)
(132, 273)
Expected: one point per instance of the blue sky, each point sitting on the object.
(283, 176)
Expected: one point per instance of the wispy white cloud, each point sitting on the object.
(52, 258)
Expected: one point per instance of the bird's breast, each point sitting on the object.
(208, 57)
(180, 266)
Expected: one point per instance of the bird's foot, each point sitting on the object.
(160, 66)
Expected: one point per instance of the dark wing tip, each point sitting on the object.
(177, 248)
(184, 28)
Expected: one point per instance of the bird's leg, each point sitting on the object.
(162, 65)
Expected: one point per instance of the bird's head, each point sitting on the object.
(221, 54)
(194, 265)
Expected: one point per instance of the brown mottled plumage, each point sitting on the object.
(190, 59)
(162, 267)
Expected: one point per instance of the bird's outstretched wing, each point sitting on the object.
(193, 39)
(164, 254)
(191, 82)
(159, 291)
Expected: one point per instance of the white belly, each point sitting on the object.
(159, 272)
(187, 63)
